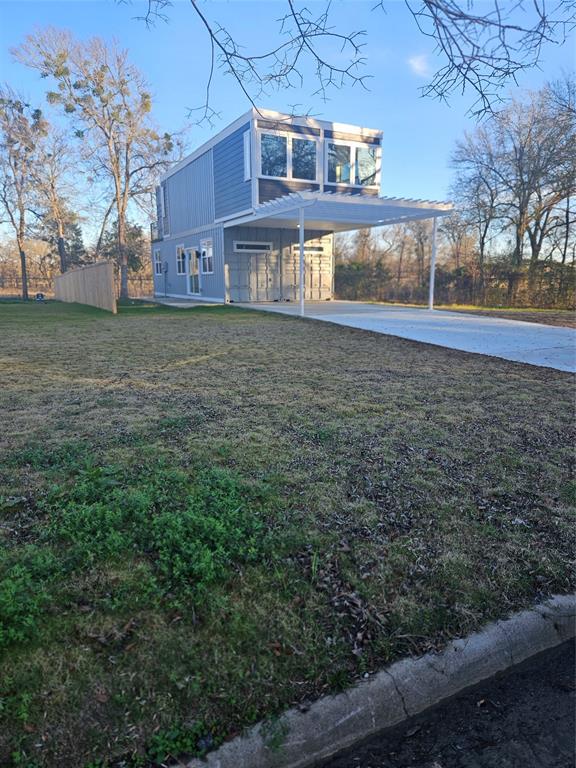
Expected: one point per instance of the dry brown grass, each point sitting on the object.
(419, 492)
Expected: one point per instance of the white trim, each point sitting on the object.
(157, 262)
(354, 146)
(199, 230)
(236, 215)
(269, 246)
(183, 247)
(207, 146)
(274, 211)
(246, 147)
(190, 252)
(289, 136)
(207, 243)
(162, 202)
(269, 114)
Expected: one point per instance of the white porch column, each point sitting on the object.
(301, 235)
(432, 265)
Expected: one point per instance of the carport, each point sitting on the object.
(342, 212)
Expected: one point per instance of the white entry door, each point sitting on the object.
(193, 278)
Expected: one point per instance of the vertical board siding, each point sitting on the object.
(159, 218)
(231, 193)
(173, 284)
(92, 285)
(190, 196)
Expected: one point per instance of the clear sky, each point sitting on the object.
(419, 133)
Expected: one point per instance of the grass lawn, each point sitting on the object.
(209, 515)
(559, 317)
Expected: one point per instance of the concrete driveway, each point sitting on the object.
(521, 342)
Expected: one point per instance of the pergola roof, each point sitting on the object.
(339, 212)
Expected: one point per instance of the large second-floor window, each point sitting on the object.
(365, 170)
(303, 159)
(339, 164)
(274, 155)
(288, 157)
(352, 164)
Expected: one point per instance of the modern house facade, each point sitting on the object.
(250, 216)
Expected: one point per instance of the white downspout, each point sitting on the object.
(432, 265)
(301, 235)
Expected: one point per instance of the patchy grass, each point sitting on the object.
(558, 317)
(209, 515)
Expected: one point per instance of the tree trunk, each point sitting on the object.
(62, 254)
(24, 273)
(122, 258)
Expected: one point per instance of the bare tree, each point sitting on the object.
(109, 103)
(55, 189)
(21, 128)
(482, 51)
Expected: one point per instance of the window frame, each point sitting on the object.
(289, 136)
(206, 245)
(268, 249)
(354, 146)
(157, 258)
(181, 258)
(246, 148)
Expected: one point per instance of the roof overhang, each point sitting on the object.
(338, 212)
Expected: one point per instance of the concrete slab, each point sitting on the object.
(521, 342)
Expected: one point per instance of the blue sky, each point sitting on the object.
(419, 133)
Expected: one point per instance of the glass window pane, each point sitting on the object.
(366, 166)
(273, 155)
(338, 163)
(303, 159)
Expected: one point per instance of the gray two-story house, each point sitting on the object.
(250, 216)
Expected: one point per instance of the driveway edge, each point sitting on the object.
(299, 739)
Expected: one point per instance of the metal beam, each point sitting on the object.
(432, 265)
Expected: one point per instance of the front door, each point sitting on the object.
(193, 271)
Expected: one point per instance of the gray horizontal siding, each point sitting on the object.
(269, 189)
(177, 285)
(190, 196)
(231, 193)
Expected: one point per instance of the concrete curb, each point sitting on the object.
(398, 692)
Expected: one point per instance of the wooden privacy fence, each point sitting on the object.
(93, 285)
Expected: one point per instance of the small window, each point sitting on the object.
(339, 163)
(303, 159)
(245, 246)
(365, 166)
(247, 173)
(207, 257)
(157, 263)
(180, 260)
(273, 155)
